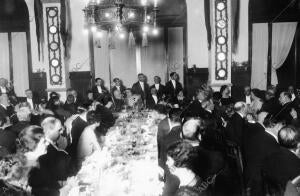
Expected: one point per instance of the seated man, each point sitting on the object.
(284, 165)
(53, 166)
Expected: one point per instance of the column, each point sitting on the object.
(220, 59)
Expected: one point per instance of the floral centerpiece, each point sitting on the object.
(127, 165)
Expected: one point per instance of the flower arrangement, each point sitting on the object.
(127, 165)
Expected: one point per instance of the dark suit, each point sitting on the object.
(17, 128)
(271, 106)
(169, 137)
(8, 141)
(234, 129)
(171, 91)
(257, 146)
(163, 129)
(284, 113)
(53, 167)
(280, 167)
(193, 110)
(98, 95)
(151, 102)
(137, 89)
(161, 90)
(8, 112)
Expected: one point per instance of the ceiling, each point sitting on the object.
(172, 12)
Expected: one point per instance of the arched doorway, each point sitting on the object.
(15, 60)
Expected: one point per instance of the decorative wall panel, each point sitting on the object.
(221, 40)
(220, 69)
(54, 46)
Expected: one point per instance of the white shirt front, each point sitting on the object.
(157, 87)
(142, 85)
(99, 89)
(3, 89)
(248, 99)
(174, 83)
(30, 103)
(155, 98)
(119, 88)
(293, 97)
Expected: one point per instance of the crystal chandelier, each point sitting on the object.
(122, 17)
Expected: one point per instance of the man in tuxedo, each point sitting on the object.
(141, 87)
(118, 86)
(287, 165)
(195, 109)
(24, 117)
(54, 165)
(271, 104)
(78, 125)
(30, 99)
(287, 106)
(159, 87)
(235, 126)
(6, 110)
(259, 142)
(169, 131)
(153, 99)
(99, 90)
(173, 87)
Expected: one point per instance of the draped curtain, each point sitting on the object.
(259, 56)
(4, 56)
(282, 39)
(20, 63)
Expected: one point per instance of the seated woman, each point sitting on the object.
(133, 101)
(257, 101)
(70, 105)
(14, 169)
(118, 101)
(91, 140)
(189, 164)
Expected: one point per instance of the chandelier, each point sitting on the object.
(122, 17)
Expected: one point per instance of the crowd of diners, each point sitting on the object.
(208, 144)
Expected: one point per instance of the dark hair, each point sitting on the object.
(271, 119)
(174, 114)
(116, 79)
(257, 93)
(183, 154)
(140, 74)
(54, 94)
(223, 87)
(289, 137)
(96, 80)
(31, 134)
(172, 74)
(91, 117)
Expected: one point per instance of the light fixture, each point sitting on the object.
(155, 31)
(99, 34)
(122, 16)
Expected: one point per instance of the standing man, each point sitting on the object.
(141, 87)
(173, 87)
(160, 89)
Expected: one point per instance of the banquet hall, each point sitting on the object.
(150, 97)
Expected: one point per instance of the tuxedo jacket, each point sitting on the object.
(280, 167)
(171, 91)
(53, 167)
(235, 128)
(151, 102)
(98, 95)
(137, 89)
(161, 90)
(257, 146)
